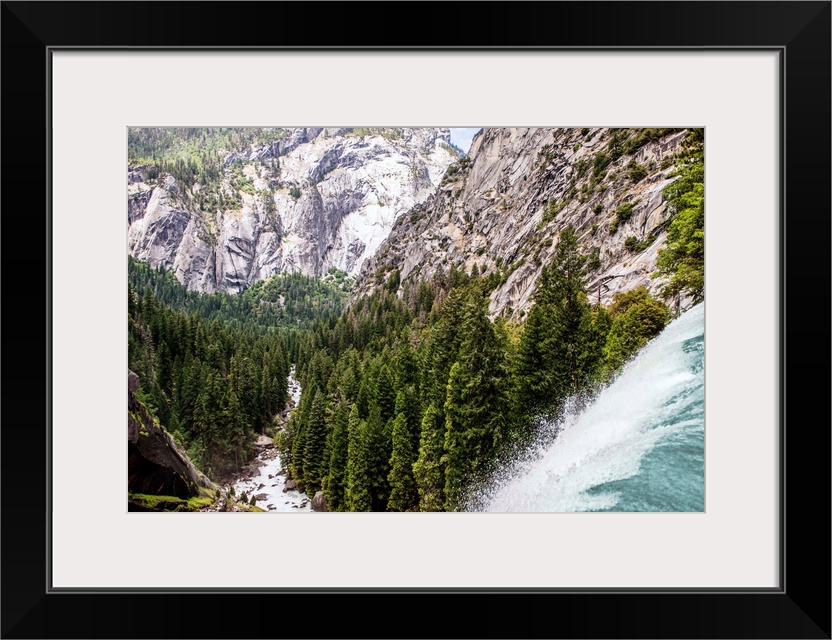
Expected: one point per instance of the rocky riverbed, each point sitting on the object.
(266, 478)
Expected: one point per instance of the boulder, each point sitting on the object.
(290, 485)
(132, 381)
(319, 502)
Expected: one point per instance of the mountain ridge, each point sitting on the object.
(504, 208)
(312, 199)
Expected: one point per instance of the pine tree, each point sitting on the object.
(592, 358)
(385, 395)
(476, 403)
(407, 402)
(358, 496)
(163, 365)
(534, 372)
(445, 338)
(200, 428)
(338, 455)
(402, 486)
(235, 428)
(314, 446)
(429, 470)
(548, 364)
(379, 450)
(407, 365)
(300, 421)
(682, 260)
(454, 459)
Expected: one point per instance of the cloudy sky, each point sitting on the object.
(462, 137)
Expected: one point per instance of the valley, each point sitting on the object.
(372, 319)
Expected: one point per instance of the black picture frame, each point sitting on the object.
(799, 608)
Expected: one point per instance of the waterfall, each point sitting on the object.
(638, 446)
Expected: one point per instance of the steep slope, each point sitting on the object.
(305, 199)
(503, 207)
(160, 476)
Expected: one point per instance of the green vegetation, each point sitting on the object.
(599, 163)
(632, 243)
(408, 400)
(593, 260)
(623, 213)
(682, 261)
(636, 172)
(629, 141)
(560, 348)
(286, 300)
(552, 210)
(194, 154)
(387, 133)
(169, 503)
(636, 317)
(212, 386)
(640, 137)
(413, 394)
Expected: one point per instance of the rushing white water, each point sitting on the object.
(276, 499)
(639, 446)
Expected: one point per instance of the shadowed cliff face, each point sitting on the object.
(504, 210)
(156, 466)
(318, 198)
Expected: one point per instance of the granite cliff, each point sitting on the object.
(303, 199)
(502, 209)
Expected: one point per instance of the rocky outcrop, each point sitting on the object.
(156, 466)
(503, 208)
(312, 200)
(132, 382)
(319, 502)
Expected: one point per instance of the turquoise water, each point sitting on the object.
(639, 446)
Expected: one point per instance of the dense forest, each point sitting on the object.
(403, 414)
(412, 395)
(281, 301)
(213, 387)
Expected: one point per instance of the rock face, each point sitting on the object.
(319, 502)
(155, 464)
(315, 199)
(132, 381)
(503, 210)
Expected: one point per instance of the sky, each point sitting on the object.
(462, 137)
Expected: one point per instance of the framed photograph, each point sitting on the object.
(96, 96)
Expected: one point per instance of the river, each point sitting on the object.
(270, 480)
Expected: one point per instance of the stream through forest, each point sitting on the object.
(268, 484)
